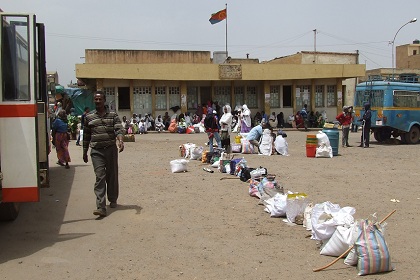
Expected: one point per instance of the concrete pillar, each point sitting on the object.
(312, 108)
(339, 86)
(131, 97)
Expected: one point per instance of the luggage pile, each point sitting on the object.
(360, 242)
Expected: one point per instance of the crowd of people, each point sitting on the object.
(307, 119)
(103, 133)
(242, 119)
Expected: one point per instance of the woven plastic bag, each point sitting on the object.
(296, 204)
(372, 250)
(276, 205)
(327, 216)
(196, 152)
(340, 241)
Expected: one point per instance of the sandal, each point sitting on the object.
(67, 166)
(60, 163)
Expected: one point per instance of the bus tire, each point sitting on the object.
(382, 135)
(412, 137)
(9, 211)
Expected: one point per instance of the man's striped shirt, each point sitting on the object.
(101, 132)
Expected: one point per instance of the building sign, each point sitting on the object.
(229, 71)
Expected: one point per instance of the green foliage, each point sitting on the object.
(72, 122)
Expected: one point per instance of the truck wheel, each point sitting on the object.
(382, 135)
(8, 211)
(377, 136)
(412, 137)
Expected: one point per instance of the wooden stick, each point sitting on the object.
(233, 177)
(349, 249)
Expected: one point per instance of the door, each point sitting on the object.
(142, 100)
(19, 132)
(205, 95)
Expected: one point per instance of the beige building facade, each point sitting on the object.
(407, 63)
(408, 56)
(151, 81)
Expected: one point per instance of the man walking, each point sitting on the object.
(304, 115)
(101, 130)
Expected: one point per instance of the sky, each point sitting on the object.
(264, 29)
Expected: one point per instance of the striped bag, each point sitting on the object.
(371, 249)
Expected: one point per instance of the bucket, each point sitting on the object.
(311, 150)
(311, 145)
(238, 139)
(333, 135)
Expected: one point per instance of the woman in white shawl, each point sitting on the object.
(225, 127)
(245, 119)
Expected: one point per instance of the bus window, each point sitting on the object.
(15, 66)
(410, 99)
(377, 98)
(359, 97)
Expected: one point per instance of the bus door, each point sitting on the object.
(22, 106)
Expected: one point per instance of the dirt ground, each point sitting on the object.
(195, 226)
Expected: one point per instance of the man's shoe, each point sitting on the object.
(113, 205)
(360, 146)
(99, 212)
(77, 144)
(349, 146)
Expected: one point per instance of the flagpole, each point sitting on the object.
(226, 30)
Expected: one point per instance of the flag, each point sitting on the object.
(218, 17)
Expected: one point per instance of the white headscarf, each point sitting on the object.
(226, 119)
(246, 115)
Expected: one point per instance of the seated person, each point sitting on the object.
(272, 120)
(159, 126)
(299, 121)
(142, 126)
(257, 118)
(173, 127)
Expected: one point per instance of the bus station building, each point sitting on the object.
(154, 81)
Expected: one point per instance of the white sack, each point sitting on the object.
(281, 145)
(178, 165)
(196, 152)
(327, 216)
(295, 205)
(307, 216)
(324, 152)
(340, 241)
(276, 205)
(323, 139)
(266, 143)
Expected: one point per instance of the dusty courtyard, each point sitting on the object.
(195, 226)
